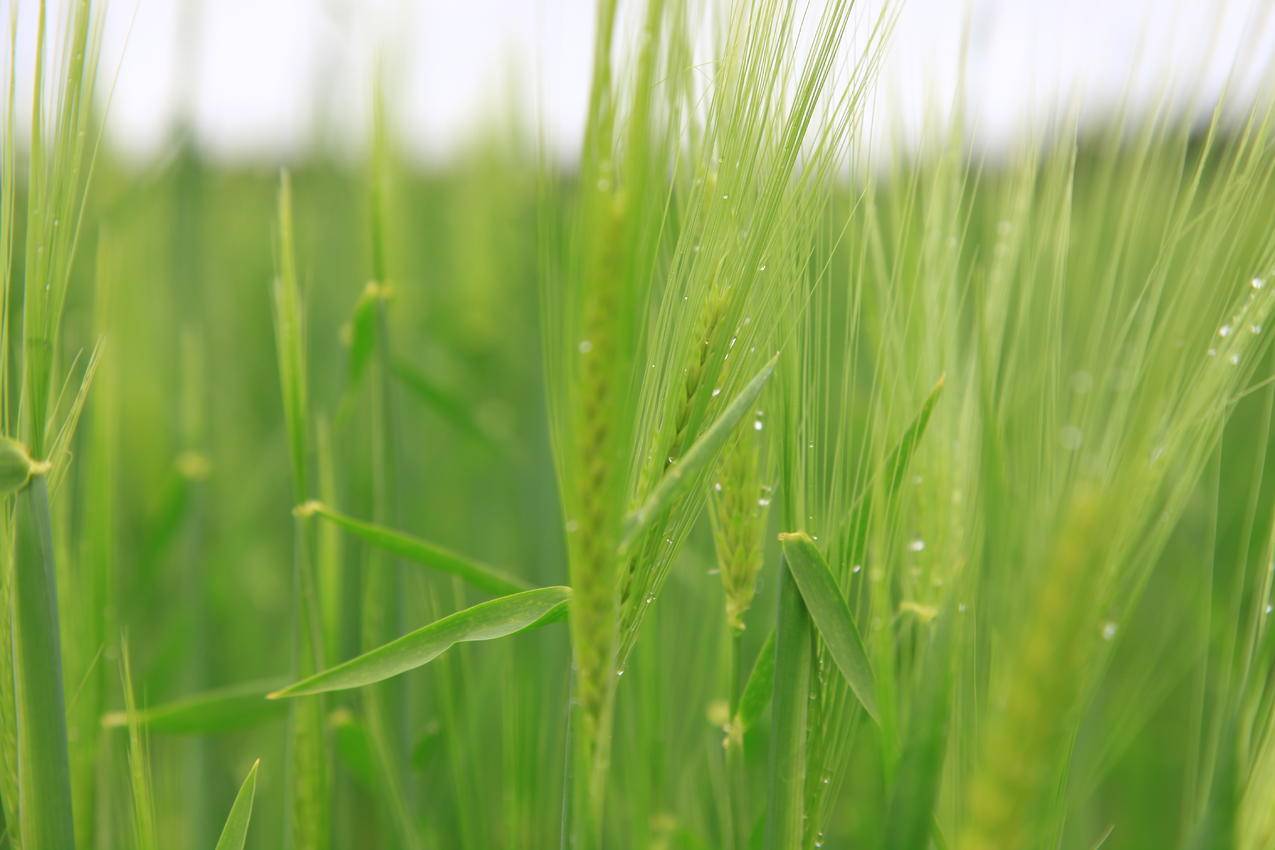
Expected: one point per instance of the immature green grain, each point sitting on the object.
(1026, 736)
(739, 502)
(686, 402)
(593, 540)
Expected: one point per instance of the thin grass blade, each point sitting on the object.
(757, 690)
(234, 707)
(418, 551)
(701, 453)
(455, 411)
(896, 467)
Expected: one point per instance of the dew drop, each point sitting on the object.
(586, 346)
(1224, 331)
(717, 487)
(1257, 283)
(716, 392)
(857, 568)
(916, 545)
(763, 502)
(1235, 359)
(1255, 329)
(757, 425)
(1108, 630)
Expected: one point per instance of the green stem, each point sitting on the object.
(793, 658)
(733, 750)
(44, 776)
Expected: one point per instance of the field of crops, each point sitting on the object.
(720, 489)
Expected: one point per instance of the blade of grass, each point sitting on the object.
(235, 833)
(831, 615)
(498, 618)
(699, 455)
(451, 409)
(480, 575)
(757, 690)
(145, 835)
(896, 466)
(219, 710)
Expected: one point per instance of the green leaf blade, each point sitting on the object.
(699, 455)
(831, 616)
(235, 833)
(418, 551)
(219, 710)
(757, 690)
(497, 618)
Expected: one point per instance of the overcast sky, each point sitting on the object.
(257, 77)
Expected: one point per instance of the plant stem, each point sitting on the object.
(784, 819)
(44, 777)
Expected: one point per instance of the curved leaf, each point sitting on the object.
(831, 616)
(419, 551)
(498, 618)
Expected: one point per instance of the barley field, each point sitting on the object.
(726, 486)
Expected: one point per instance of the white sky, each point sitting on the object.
(259, 77)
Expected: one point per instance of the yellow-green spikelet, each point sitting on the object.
(1041, 688)
(592, 537)
(738, 509)
(692, 385)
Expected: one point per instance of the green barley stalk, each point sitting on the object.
(308, 764)
(60, 163)
(386, 707)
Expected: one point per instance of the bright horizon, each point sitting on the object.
(259, 78)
